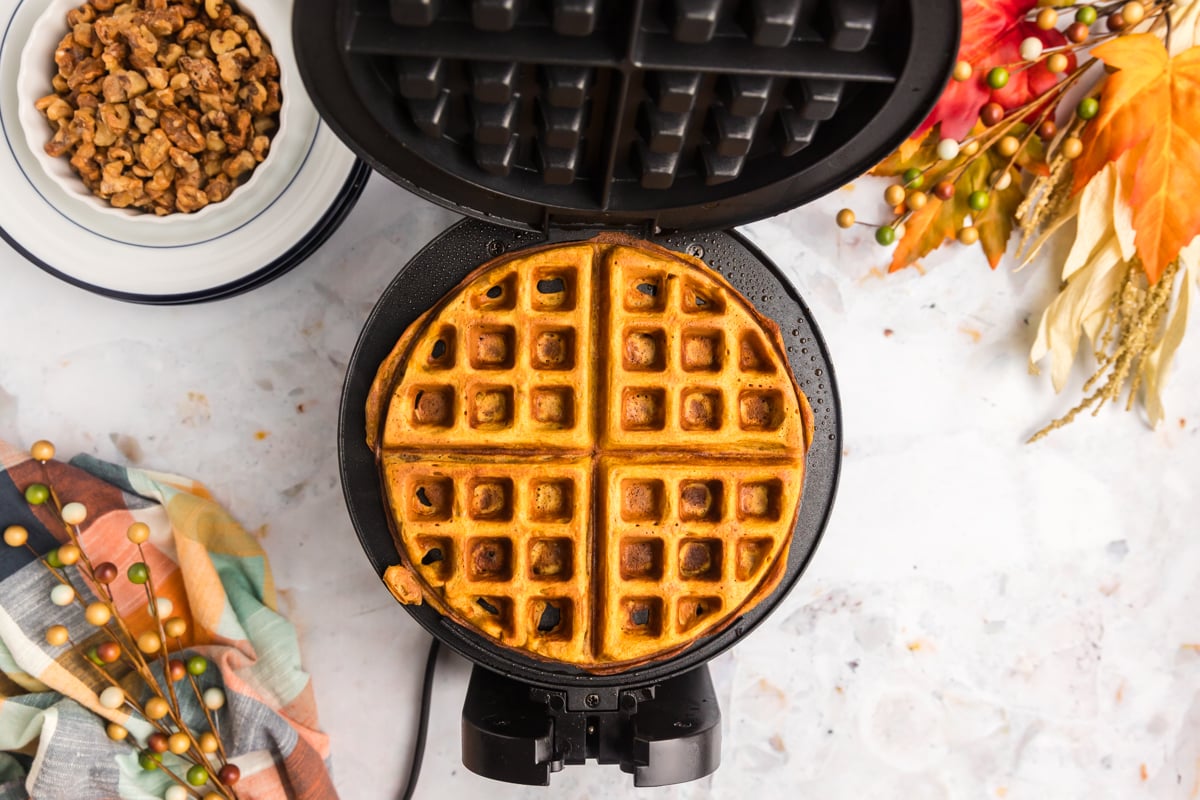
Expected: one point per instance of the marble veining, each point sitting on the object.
(985, 619)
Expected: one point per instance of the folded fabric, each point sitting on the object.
(213, 574)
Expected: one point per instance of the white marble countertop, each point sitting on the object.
(985, 619)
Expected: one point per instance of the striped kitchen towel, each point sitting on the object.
(53, 744)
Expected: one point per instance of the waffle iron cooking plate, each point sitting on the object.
(667, 114)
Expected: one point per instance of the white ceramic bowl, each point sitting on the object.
(33, 81)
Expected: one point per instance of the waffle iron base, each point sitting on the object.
(439, 268)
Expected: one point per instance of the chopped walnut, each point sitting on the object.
(238, 135)
(254, 95)
(171, 56)
(154, 149)
(124, 85)
(202, 73)
(259, 146)
(84, 72)
(240, 164)
(84, 162)
(112, 180)
(115, 116)
(265, 67)
(231, 64)
(218, 188)
(164, 178)
(162, 105)
(190, 198)
(104, 135)
(182, 131)
(85, 13)
(223, 41)
(211, 163)
(157, 77)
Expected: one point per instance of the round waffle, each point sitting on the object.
(592, 452)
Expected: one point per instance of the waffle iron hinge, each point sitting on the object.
(662, 734)
(646, 228)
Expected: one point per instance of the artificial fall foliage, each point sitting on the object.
(1087, 115)
(992, 33)
(939, 221)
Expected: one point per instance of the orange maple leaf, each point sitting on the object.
(1150, 109)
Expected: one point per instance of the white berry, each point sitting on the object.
(947, 149)
(1031, 48)
(214, 698)
(74, 513)
(112, 697)
(62, 595)
(165, 607)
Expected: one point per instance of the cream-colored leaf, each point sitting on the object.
(1109, 259)
(1094, 223)
(1079, 309)
(1189, 257)
(1157, 365)
(1122, 219)
(1048, 232)
(1185, 25)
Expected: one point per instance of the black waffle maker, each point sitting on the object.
(553, 120)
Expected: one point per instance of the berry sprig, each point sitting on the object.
(1026, 135)
(206, 772)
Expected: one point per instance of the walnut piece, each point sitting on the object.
(162, 106)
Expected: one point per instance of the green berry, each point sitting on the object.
(53, 560)
(978, 201)
(1088, 108)
(37, 493)
(197, 665)
(1086, 15)
(197, 775)
(886, 235)
(913, 178)
(997, 78)
(93, 655)
(149, 761)
(138, 572)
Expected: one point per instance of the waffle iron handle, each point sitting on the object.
(662, 734)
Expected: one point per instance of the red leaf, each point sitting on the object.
(992, 34)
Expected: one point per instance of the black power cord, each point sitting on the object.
(418, 752)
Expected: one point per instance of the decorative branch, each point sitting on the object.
(207, 772)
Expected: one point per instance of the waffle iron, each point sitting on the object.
(550, 121)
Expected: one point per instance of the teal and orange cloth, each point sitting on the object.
(53, 744)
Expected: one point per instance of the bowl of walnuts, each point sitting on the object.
(161, 111)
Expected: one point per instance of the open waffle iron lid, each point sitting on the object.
(671, 115)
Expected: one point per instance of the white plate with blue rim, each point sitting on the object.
(290, 204)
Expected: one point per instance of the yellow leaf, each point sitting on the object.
(908, 148)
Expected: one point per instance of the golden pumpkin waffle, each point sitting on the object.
(593, 453)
